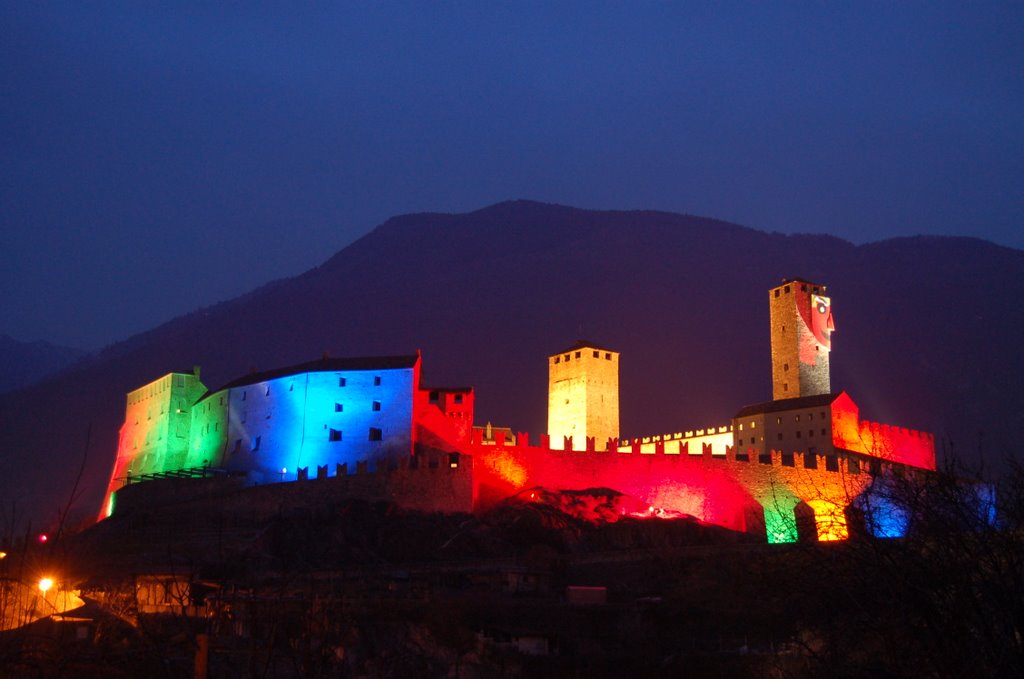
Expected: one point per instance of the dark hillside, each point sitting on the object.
(928, 329)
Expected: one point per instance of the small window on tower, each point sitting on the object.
(334, 435)
(255, 443)
(797, 418)
(558, 359)
(780, 435)
(597, 354)
(776, 292)
(607, 357)
(798, 434)
(778, 420)
(376, 406)
(823, 433)
(458, 398)
(786, 289)
(338, 407)
(376, 434)
(376, 380)
(567, 357)
(578, 354)
(342, 381)
(803, 288)
(785, 386)
(785, 366)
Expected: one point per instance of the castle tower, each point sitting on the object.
(801, 322)
(583, 395)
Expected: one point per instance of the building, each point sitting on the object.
(803, 465)
(278, 425)
(583, 393)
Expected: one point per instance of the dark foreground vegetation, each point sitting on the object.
(526, 590)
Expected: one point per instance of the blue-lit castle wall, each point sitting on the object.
(307, 420)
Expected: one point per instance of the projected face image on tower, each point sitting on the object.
(817, 319)
(821, 320)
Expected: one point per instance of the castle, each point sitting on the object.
(801, 466)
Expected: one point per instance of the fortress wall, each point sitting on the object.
(441, 483)
(724, 490)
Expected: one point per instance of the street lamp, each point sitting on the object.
(45, 584)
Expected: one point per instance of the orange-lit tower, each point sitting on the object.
(583, 395)
(801, 323)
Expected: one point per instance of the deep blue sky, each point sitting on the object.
(154, 160)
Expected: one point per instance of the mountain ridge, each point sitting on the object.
(487, 295)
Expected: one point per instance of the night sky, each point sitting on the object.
(155, 160)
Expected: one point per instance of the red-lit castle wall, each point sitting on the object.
(702, 477)
(887, 442)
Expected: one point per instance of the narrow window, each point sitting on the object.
(578, 354)
(376, 380)
(244, 393)
(334, 435)
(810, 433)
(342, 381)
(458, 398)
(238, 445)
(786, 289)
(810, 459)
(376, 406)
(787, 460)
(823, 432)
(267, 392)
(753, 424)
(778, 420)
(338, 408)
(776, 292)
(597, 354)
(798, 434)
(780, 435)
(376, 434)
(831, 463)
(607, 357)
(785, 386)
(558, 359)
(255, 443)
(797, 418)
(803, 288)
(785, 366)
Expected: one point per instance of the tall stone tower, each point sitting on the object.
(583, 395)
(801, 322)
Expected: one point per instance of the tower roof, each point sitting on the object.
(324, 365)
(584, 344)
(788, 404)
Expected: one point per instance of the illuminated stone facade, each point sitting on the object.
(798, 466)
(583, 395)
(280, 425)
(801, 330)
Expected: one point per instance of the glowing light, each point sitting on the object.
(830, 520)
(3, 555)
(43, 537)
(45, 584)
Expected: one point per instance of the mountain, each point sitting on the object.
(25, 363)
(928, 331)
